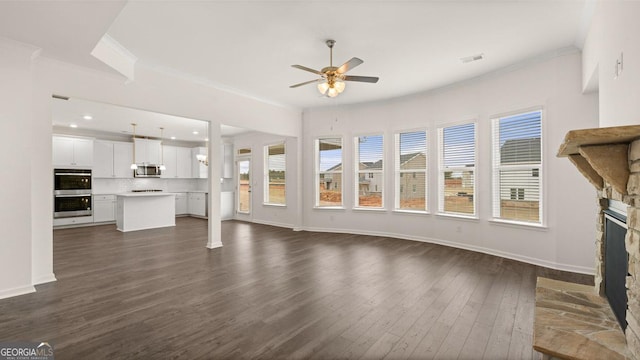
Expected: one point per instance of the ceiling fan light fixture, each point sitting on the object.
(323, 87)
(333, 92)
(339, 86)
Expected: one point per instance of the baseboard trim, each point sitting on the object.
(45, 279)
(480, 249)
(17, 291)
(273, 223)
(214, 245)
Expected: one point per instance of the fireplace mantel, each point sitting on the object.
(601, 154)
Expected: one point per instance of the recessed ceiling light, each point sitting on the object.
(472, 58)
(207, 139)
(87, 117)
(195, 133)
(73, 126)
(173, 138)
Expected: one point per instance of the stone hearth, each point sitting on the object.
(610, 159)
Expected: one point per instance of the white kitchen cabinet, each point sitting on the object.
(122, 158)
(104, 208)
(169, 158)
(181, 204)
(70, 151)
(183, 162)
(112, 159)
(197, 204)
(148, 151)
(177, 160)
(103, 156)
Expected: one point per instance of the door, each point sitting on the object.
(244, 186)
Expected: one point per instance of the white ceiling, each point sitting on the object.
(412, 46)
(117, 119)
(248, 46)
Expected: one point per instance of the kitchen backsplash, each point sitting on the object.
(116, 186)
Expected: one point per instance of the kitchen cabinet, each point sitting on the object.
(169, 158)
(104, 208)
(181, 204)
(148, 151)
(197, 204)
(112, 159)
(177, 160)
(70, 151)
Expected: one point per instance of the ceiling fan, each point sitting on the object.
(332, 78)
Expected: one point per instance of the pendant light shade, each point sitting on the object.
(162, 167)
(323, 87)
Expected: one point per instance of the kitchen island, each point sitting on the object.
(148, 210)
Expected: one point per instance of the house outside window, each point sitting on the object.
(328, 154)
(274, 177)
(456, 173)
(517, 165)
(411, 159)
(369, 154)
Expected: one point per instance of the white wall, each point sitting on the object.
(16, 92)
(615, 29)
(554, 84)
(285, 216)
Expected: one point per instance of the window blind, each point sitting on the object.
(517, 165)
(329, 172)
(275, 175)
(411, 171)
(456, 161)
(369, 160)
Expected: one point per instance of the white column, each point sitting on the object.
(215, 164)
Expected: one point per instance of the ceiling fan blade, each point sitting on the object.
(303, 83)
(349, 65)
(306, 69)
(369, 79)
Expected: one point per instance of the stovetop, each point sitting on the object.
(147, 190)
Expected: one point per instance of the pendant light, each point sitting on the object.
(162, 167)
(133, 163)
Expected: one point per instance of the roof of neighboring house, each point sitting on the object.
(408, 157)
(377, 165)
(369, 165)
(518, 151)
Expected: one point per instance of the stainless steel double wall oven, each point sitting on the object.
(72, 193)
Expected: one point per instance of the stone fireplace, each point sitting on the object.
(610, 159)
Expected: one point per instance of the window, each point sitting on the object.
(368, 155)
(517, 167)
(456, 173)
(517, 194)
(274, 174)
(329, 172)
(411, 157)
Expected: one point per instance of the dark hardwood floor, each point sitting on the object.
(273, 293)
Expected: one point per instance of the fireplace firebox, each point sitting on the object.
(616, 262)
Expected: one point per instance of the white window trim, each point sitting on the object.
(442, 170)
(495, 187)
(317, 172)
(357, 171)
(265, 192)
(398, 171)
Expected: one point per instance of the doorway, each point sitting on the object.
(243, 175)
